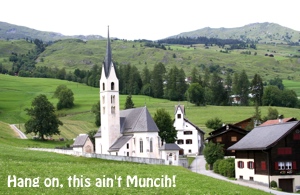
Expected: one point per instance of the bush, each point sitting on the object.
(273, 184)
(216, 166)
(225, 167)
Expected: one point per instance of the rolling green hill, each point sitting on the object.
(257, 32)
(11, 31)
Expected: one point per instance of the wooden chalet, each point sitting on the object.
(227, 135)
(270, 153)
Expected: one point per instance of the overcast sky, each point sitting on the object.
(145, 19)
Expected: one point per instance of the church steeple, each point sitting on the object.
(108, 57)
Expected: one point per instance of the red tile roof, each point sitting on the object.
(277, 121)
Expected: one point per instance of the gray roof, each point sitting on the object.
(181, 107)
(264, 137)
(108, 57)
(186, 120)
(98, 134)
(80, 140)
(120, 142)
(137, 120)
(170, 147)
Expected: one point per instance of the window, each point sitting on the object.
(141, 146)
(127, 146)
(188, 141)
(103, 86)
(263, 165)
(187, 132)
(241, 177)
(113, 109)
(250, 165)
(112, 99)
(240, 164)
(103, 99)
(112, 86)
(103, 110)
(296, 136)
(180, 141)
(233, 138)
(127, 153)
(251, 178)
(219, 139)
(284, 151)
(178, 115)
(151, 145)
(190, 151)
(285, 165)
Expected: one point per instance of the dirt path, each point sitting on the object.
(198, 166)
(18, 131)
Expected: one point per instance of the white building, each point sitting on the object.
(83, 144)
(130, 132)
(189, 137)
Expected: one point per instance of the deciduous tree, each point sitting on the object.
(43, 121)
(195, 94)
(164, 122)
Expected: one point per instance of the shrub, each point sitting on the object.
(225, 167)
(216, 166)
(273, 184)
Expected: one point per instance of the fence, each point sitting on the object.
(105, 156)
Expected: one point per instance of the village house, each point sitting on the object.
(227, 135)
(190, 138)
(82, 144)
(270, 153)
(277, 121)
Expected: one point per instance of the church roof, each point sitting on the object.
(120, 142)
(264, 137)
(80, 140)
(108, 57)
(170, 146)
(137, 120)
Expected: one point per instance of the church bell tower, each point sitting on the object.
(109, 102)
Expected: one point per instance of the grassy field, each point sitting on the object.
(23, 163)
(17, 94)
(72, 54)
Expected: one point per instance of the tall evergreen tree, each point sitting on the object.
(243, 88)
(157, 81)
(129, 103)
(257, 89)
(176, 85)
(218, 91)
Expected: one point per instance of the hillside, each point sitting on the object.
(71, 54)
(258, 32)
(11, 31)
(17, 94)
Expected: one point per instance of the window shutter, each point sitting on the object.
(263, 165)
(248, 164)
(294, 165)
(276, 165)
(242, 164)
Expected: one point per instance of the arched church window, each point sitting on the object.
(103, 99)
(141, 145)
(103, 110)
(112, 86)
(151, 145)
(103, 86)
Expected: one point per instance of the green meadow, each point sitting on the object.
(47, 173)
(17, 93)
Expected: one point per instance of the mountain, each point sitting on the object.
(11, 31)
(257, 32)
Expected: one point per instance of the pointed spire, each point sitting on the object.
(108, 56)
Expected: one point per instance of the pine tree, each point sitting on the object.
(129, 103)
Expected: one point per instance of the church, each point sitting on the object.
(130, 132)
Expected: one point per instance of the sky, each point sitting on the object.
(145, 19)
